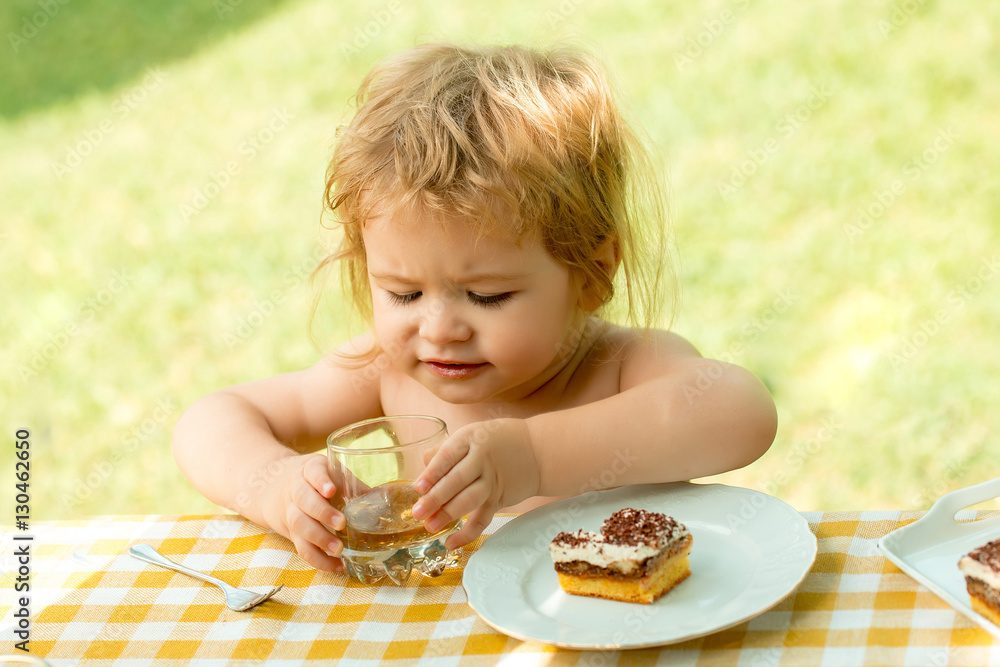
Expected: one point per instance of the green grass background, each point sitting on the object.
(877, 336)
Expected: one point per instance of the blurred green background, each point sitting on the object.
(833, 177)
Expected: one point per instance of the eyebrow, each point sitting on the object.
(474, 278)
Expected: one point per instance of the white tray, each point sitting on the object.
(929, 549)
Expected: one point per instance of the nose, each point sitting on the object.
(441, 322)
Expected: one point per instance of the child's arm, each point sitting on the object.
(250, 448)
(677, 416)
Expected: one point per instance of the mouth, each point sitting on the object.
(453, 369)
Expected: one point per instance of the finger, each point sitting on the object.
(318, 507)
(318, 475)
(429, 453)
(451, 485)
(471, 498)
(446, 458)
(475, 524)
(317, 557)
(317, 546)
(311, 530)
(311, 501)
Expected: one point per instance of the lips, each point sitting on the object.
(453, 370)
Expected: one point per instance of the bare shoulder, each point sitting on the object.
(640, 346)
(644, 354)
(677, 374)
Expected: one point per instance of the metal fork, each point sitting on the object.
(237, 599)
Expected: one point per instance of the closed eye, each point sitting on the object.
(402, 299)
(490, 300)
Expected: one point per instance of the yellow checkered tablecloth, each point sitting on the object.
(93, 604)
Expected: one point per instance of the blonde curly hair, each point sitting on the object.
(512, 140)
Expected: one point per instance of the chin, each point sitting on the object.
(457, 392)
(458, 395)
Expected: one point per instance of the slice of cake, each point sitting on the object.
(637, 557)
(981, 568)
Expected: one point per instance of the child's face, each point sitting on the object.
(469, 318)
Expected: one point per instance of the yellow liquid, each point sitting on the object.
(382, 519)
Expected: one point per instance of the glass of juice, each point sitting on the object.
(374, 464)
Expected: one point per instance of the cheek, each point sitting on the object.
(387, 326)
(535, 332)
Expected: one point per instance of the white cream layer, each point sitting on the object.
(973, 568)
(595, 551)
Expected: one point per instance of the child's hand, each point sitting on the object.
(481, 468)
(297, 506)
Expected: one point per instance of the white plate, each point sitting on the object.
(929, 549)
(750, 551)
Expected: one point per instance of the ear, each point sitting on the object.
(607, 256)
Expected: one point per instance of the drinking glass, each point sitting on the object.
(373, 464)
